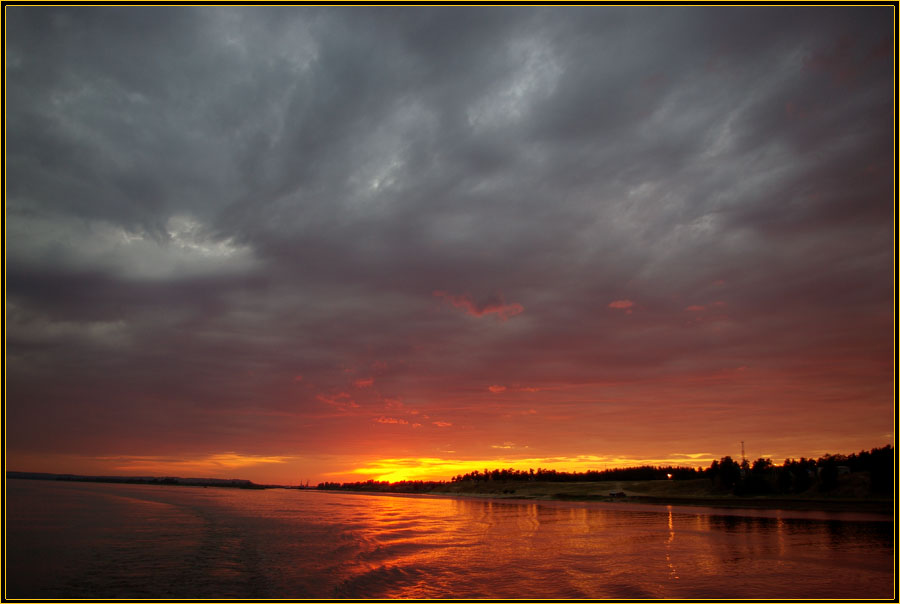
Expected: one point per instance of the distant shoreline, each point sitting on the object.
(626, 492)
(882, 509)
(818, 505)
(231, 483)
(657, 493)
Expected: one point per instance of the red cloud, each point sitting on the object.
(497, 388)
(364, 383)
(621, 304)
(390, 420)
(699, 307)
(392, 403)
(298, 378)
(499, 308)
(442, 424)
(341, 401)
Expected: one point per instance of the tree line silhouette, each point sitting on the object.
(801, 475)
(402, 486)
(633, 473)
(760, 477)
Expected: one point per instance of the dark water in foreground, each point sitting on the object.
(85, 540)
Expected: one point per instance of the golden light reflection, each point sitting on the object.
(673, 574)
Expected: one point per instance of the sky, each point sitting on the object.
(296, 244)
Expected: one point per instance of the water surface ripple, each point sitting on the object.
(82, 540)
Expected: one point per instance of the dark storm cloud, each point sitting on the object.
(203, 203)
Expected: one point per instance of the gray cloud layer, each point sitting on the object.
(204, 203)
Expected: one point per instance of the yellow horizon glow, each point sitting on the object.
(434, 468)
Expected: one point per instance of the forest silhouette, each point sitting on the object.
(727, 475)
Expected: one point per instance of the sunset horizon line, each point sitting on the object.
(425, 469)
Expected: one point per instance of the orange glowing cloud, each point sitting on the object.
(694, 456)
(392, 403)
(210, 465)
(500, 308)
(509, 445)
(341, 401)
(625, 305)
(498, 388)
(442, 424)
(364, 383)
(390, 420)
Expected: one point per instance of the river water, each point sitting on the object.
(83, 540)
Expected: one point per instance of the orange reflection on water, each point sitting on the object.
(674, 573)
(215, 543)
